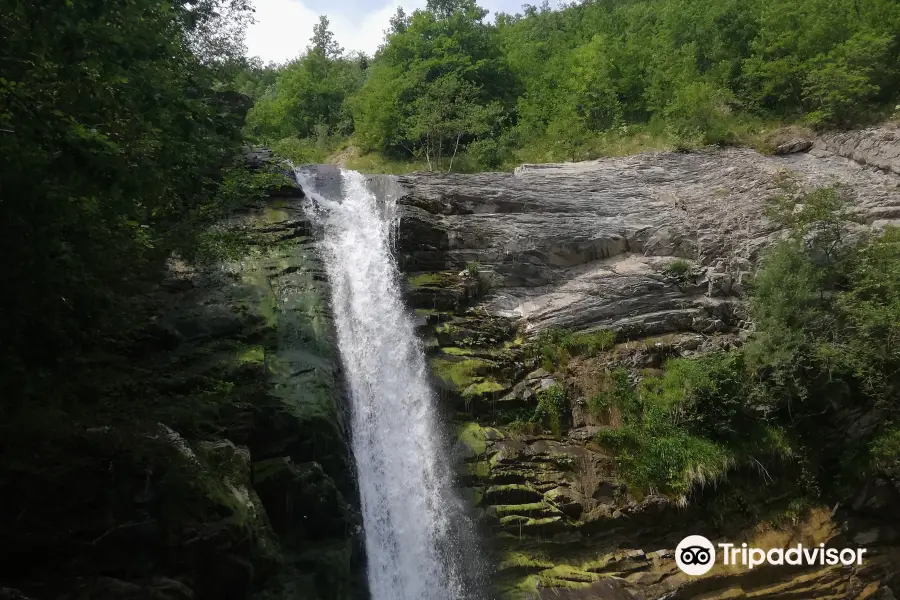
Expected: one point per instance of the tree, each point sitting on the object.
(310, 95)
(114, 133)
(443, 9)
(322, 43)
(399, 22)
(446, 49)
(446, 113)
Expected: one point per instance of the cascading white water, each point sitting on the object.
(411, 519)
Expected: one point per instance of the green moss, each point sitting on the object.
(473, 436)
(476, 437)
(252, 354)
(518, 342)
(488, 386)
(276, 215)
(479, 470)
(532, 510)
(425, 279)
(265, 303)
(460, 374)
(455, 351)
(565, 576)
(527, 522)
(520, 560)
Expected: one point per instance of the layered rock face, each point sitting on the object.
(657, 248)
(584, 245)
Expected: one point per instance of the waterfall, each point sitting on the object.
(415, 531)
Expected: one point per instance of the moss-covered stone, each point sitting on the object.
(512, 493)
(534, 510)
(458, 374)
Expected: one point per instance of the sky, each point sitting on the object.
(283, 27)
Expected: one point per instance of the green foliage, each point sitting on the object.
(114, 133)
(551, 409)
(679, 269)
(599, 404)
(885, 447)
(589, 79)
(826, 307)
(437, 84)
(309, 101)
(556, 345)
(688, 427)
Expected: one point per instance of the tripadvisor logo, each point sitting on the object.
(696, 555)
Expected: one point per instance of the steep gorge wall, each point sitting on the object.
(244, 486)
(585, 246)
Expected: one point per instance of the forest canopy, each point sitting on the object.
(447, 80)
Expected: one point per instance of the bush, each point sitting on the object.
(700, 112)
(551, 408)
(884, 449)
(556, 345)
(679, 269)
(688, 427)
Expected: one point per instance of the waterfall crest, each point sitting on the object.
(415, 530)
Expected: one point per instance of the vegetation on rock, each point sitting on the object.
(826, 307)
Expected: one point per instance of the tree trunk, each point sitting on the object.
(455, 148)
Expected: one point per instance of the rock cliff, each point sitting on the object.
(244, 486)
(656, 248)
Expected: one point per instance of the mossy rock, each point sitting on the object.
(565, 576)
(302, 502)
(457, 374)
(533, 510)
(521, 525)
(484, 389)
(476, 437)
(513, 493)
(472, 473)
(439, 291)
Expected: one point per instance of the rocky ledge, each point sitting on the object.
(650, 255)
(586, 245)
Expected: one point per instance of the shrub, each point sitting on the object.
(687, 427)
(599, 404)
(556, 346)
(884, 449)
(551, 408)
(679, 269)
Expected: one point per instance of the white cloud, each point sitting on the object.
(283, 27)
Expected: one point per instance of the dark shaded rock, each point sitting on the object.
(793, 146)
(109, 588)
(302, 501)
(608, 589)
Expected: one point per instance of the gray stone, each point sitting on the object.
(582, 245)
(792, 146)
